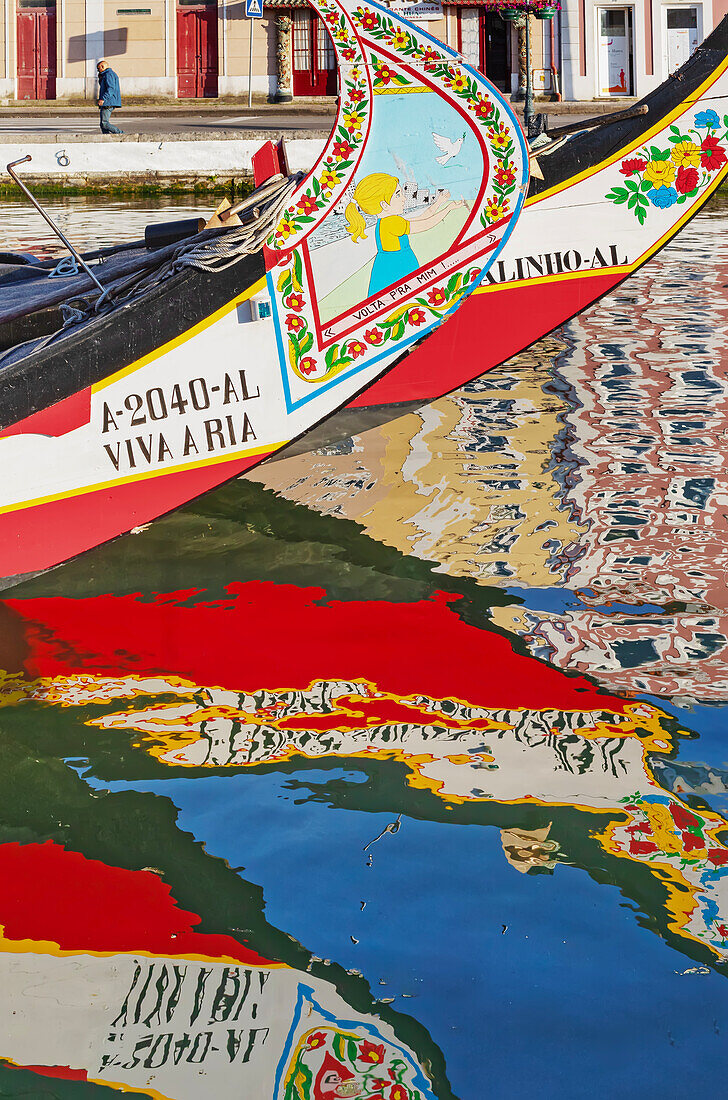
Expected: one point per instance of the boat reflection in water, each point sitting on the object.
(292, 806)
(592, 465)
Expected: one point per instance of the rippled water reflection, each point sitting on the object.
(591, 468)
(88, 221)
(288, 804)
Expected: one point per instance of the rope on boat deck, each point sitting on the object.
(245, 240)
(214, 255)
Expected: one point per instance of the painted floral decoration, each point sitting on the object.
(402, 322)
(498, 136)
(407, 321)
(667, 177)
(345, 143)
(359, 1067)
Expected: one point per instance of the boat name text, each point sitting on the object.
(554, 263)
(168, 444)
(182, 1013)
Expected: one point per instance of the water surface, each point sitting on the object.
(426, 725)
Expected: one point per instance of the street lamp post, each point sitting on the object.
(521, 17)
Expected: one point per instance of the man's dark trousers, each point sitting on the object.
(106, 124)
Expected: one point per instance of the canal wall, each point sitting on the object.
(145, 163)
(149, 164)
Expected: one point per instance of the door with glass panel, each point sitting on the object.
(682, 32)
(314, 60)
(615, 51)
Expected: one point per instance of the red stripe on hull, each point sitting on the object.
(43, 535)
(73, 412)
(36, 538)
(487, 330)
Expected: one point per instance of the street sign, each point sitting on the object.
(254, 9)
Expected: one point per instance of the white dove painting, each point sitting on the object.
(447, 147)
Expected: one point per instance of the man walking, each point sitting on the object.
(109, 97)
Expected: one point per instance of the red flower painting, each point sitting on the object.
(632, 165)
(686, 179)
(294, 323)
(437, 297)
(505, 176)
(306, 204)
(373, 336)
(373, 1053)
(712, 153)
(384, 74)
(356, 348)
(416, 317)
(307, 365)
(317, 1039)
(430, 58)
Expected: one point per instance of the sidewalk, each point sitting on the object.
(322, 104)
(201, 149)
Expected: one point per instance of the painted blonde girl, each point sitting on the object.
(380, 195)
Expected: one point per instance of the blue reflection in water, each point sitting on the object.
(531, 985)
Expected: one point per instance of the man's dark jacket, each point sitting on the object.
(109, 90)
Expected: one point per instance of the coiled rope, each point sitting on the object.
(216, 253)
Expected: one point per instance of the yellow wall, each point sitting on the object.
(134, 45)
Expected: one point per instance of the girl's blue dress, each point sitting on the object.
(391, 267)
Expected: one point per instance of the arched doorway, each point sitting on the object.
(197, 66)
(36, 49)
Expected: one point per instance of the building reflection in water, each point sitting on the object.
(462, 483)
(592, 465)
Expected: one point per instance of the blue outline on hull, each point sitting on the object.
(306, 995)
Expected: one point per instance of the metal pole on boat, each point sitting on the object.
(77, 256)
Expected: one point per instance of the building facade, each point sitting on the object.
(202, 48)
(612, 49)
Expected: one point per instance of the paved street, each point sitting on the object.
(289, 121)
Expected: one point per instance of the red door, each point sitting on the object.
(314, 60)
(37, 53)
(197, 52)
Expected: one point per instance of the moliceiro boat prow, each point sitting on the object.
(409, 260)
(151, 376)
